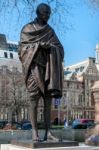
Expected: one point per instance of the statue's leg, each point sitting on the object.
(47, 120)
(35, 94)
(33, 117)
(47, 115)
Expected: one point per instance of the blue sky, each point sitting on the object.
(79, 41)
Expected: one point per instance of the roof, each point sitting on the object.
(12, 42)
(78, 68)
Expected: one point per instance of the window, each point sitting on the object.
(11, 55)
(5, 55)
(76, 69)
(90, 71)
(91, 83)
(67, 84)
(81, 68)
(77, 85)
(93, 60)
(80, 100)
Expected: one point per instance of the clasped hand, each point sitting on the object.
(45, 45)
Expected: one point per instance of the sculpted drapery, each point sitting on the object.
(49, 77)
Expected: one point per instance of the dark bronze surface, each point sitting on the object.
(41, 54)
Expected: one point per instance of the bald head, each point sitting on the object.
(43, 12)
(42, 6)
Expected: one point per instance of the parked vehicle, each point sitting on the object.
(12, 126)
(3, 123)
(25, 121)
(82, 123)
(26, 126)
(16, 125)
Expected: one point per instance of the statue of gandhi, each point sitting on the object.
(41, 55)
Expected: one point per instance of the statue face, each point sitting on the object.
(44, 14)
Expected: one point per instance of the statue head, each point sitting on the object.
(43, 12)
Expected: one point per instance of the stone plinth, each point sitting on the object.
(66, 134)
(47, 144)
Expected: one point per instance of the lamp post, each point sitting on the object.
(67, 108)
(57, 104)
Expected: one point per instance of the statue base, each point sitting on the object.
(45, 144)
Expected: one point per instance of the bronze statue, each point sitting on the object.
(41, 55)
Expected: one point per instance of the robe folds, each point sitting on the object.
(43, 66)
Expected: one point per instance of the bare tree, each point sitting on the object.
(29, 6)
(24, 11)
(93, 3)
(17, 96)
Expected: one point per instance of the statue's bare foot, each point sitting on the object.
(36, 139)
(51, 137)
(35, 136)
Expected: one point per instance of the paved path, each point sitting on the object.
(82, 147)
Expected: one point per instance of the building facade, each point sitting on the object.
(14, 99)
(77, 100)
(79, 79)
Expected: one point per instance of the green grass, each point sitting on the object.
(57, 127)
(41, 126)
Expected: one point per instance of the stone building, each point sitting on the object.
(77, 100)
(14, 98)
(78, 81)
(13, 94)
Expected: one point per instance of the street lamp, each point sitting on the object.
(57, 103)
(67, 108)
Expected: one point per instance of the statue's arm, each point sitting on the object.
(55, 42)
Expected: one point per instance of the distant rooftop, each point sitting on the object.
(71, 67)
(7, 45)
(12, 42)
(78, 68)
(3, 39)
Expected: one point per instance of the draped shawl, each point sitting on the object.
(29, 45)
